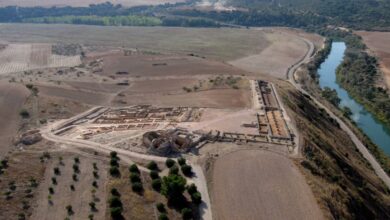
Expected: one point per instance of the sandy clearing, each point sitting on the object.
(379, 44)
(284, 51)
(12, 98)
(255, 184)
(78, 3)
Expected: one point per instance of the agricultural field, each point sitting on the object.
(379, 44)
(22, 57)
(12, 99)
(254, 184)
(78, 3)
(219, 44)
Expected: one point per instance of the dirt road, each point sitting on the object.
(360, 146)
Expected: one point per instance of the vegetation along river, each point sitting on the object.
(377, 132)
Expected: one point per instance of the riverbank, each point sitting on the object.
(312, 84)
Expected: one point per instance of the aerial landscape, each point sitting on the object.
(194, 109)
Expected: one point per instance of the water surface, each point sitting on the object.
(378, 133)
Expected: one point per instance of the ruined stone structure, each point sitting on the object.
(166, 142)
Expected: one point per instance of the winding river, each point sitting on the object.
(378, 133)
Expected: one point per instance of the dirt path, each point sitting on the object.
(360, 146)
(256, 184)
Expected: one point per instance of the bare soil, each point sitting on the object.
(379, 44)
(12, 98)
(159, 65)
(284, 50)
(255, 184)
(92, 98)
(170, 92)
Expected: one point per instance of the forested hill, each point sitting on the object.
(355, 13)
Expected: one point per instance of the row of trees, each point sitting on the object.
(131, 20)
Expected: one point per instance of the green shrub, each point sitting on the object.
(135, 178)
(24, 113)
(181, 161)
(169, 163)
(115, 192)
(115, 201)
(116, 212)
(152, 165)
(196, 198)
(156, 184)
(174, 170)
(160, 207)
(163, 216)
(134, 168)
(114, 171)
(192, 189)
(187, 170)
(186, 213)
(154, 174)
(137, 187)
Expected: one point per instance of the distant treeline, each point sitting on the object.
(357, 14)
(105, 14)
(98, 20)
(263, 17)
(177, 15)
(131, 20)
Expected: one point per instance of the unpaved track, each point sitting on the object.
(360, 146)
(257, 184)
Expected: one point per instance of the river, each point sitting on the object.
(378, 133)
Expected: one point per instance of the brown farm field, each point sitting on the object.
(215, 43)
(379, 44)
(78, 3)
(162, 66)
(255, 184)
(12, 98)
(170, 92)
